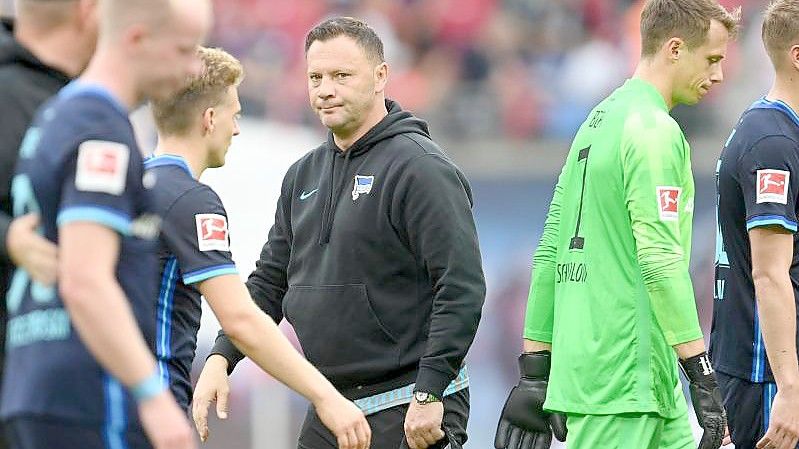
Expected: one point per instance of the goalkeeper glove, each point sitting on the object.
(524, 424)
(706, 398)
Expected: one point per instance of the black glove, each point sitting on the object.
(706, 397)
(524, 424)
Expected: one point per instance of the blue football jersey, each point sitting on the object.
(78, 162)
(194, 247)
(758, 185)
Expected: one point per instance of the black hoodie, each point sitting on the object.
(374, 260)
(25, 83)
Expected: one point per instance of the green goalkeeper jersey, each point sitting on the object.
(611, 289)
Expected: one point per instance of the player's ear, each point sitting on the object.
(673, 48)
(209, 119)
(381, 77)
(795, 57)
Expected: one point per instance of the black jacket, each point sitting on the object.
(25, 83)
(374, 260)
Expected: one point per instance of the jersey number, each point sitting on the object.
(578, 242)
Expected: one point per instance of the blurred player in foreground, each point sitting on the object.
(47, 44)
(611, 297)
(195, 129)
(73, 349)
(373, 257)
(753, 341)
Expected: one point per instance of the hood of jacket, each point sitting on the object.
(13, 53)
(397, 121)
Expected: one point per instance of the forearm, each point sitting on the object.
(259, 338)
(690, 349)
(535, 346)
(101, 315)
(776, 308)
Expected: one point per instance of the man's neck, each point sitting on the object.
(785, 89)
(55, 48)
(111, 70)
(654, 72)
(186, 148)
(377, 114)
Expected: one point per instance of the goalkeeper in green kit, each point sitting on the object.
(611, 307)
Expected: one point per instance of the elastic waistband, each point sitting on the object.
(403, 395)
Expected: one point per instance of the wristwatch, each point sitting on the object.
(424, 397)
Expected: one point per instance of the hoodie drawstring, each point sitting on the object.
(330, 209)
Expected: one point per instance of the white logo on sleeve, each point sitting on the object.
(772, 186)
(668, 202)
(102, 167)
(212, 233)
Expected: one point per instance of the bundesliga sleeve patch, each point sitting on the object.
(212, 233)
(668, 202)
(772, 186)
(102, 167)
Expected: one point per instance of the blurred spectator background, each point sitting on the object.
(504, 85)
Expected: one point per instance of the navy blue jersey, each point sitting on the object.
(78, 162)
(758, 184)
(194, 247)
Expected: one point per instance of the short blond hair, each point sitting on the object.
(221, 70)
(780, 27)
(687, 19)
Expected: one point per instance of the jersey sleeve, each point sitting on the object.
(540, 313)
(195, 229)
(101, 184)
(655, 172)
(767, 176)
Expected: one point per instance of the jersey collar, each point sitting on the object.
(167, 159)
(78, 87)
(648, 90)
(779, 105)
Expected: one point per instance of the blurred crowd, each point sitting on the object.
(481, 69)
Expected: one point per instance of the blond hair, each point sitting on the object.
(780, 27)
(175, 115)
(688, 20)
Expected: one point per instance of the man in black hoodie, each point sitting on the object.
(373, 257)
(49, 43)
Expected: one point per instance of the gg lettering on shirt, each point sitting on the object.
(79, 162)
(757, 186)
(194, 247)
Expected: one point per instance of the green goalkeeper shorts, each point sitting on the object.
(629, 431)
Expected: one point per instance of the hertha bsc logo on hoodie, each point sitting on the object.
(363, 186)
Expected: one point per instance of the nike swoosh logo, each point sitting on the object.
(305, 195)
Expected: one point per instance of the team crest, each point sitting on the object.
(212, 233)
(772, 186)
(668, 202)
(362, 186)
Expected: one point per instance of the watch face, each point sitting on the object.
(421, 396)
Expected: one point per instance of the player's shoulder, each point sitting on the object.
(768, 121)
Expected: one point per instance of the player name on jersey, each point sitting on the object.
(571, 272)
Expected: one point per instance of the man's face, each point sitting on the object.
(169, 54)
(342, 83)
(226, 125)
(698, 69)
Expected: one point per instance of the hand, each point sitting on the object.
(727, 437)
(211, 386)
(524, 424)
(164, 423)
(346, 421)
(783, 428)
(30, 251)
(423, 424)
(706, 398)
